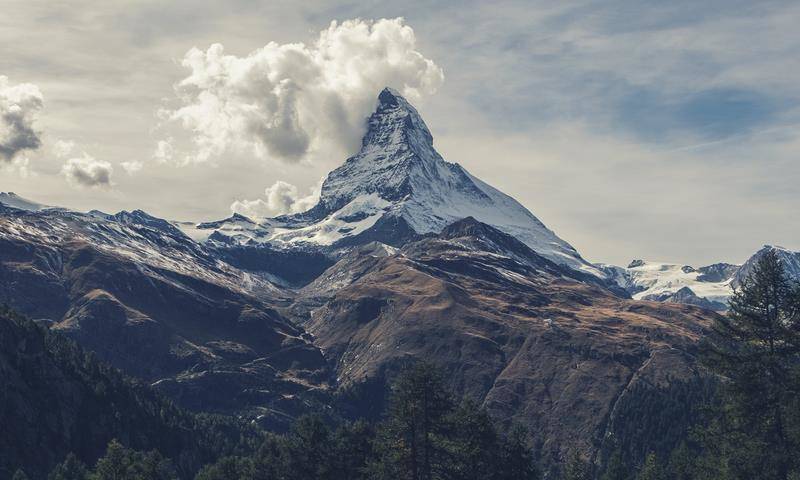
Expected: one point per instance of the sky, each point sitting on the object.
(668, 131)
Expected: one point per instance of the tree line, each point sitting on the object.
(426, 435)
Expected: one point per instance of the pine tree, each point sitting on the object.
(19, 475)
(616, 468)
(472, 443)
(228, 468)
(516, 460)
(577, 468)
(408, 444)
(114, 465)
(70, 469)
(756, 349)
(308, 449)
(680, 465)
(651, 470)
(352, 445)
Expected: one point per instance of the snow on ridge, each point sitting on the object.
(11, 199)
(398, 173)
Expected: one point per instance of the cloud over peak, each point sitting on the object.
(19, 107)
(285, 101)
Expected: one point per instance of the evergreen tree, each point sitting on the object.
(756, 349)
(120, 463)
(115, 464)
(352, 445)
(516, 458)
(19, 475)
(408, 445)
(680, 465)
(616, 468)
(472, 443)
(577, 468)
(651, 470)
(228, 468)
(70, 469)
(308, 449)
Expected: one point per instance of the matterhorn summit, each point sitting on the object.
(396, 187)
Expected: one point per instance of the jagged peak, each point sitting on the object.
(390, 97)
(396, 121)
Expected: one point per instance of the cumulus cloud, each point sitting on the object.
(280, 198)
(285, 101)
(19, 107)
(86, 171)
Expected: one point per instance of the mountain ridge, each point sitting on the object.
(399, 178)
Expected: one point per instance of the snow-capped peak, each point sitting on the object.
(399, 179)
(789, 259)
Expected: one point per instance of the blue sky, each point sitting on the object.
(661, 130)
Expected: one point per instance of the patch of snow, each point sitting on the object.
(13, 200)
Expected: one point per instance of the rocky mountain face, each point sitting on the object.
(149, 300)
(528, 338)
(404, 257)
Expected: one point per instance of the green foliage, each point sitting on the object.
(70, 469)
(120, 463)
(652, 469)
(103, 405)
(19, 475)
(755, 348)
(656, 419)
(616, 469)
(428, 436)
(577, 468)
(516, 457)
(425, 435)
(681, 463)
(409, 443)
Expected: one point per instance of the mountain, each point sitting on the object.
(149, 300)
(789, 259)
(58, 399)
(709, 287)
(404, 257)
(531, 340)
(397, 186)
(11, 199)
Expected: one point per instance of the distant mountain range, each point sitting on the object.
(709, 287)
(405, 256)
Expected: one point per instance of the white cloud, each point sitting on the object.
(286, 101)
(19, 107)
(19, 166)
(132, 166)
(280, 198)
(86, 171)
(62, 148)
(164, 151)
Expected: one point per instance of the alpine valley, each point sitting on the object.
(404, 257)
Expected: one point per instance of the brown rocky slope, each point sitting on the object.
(524, 336)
